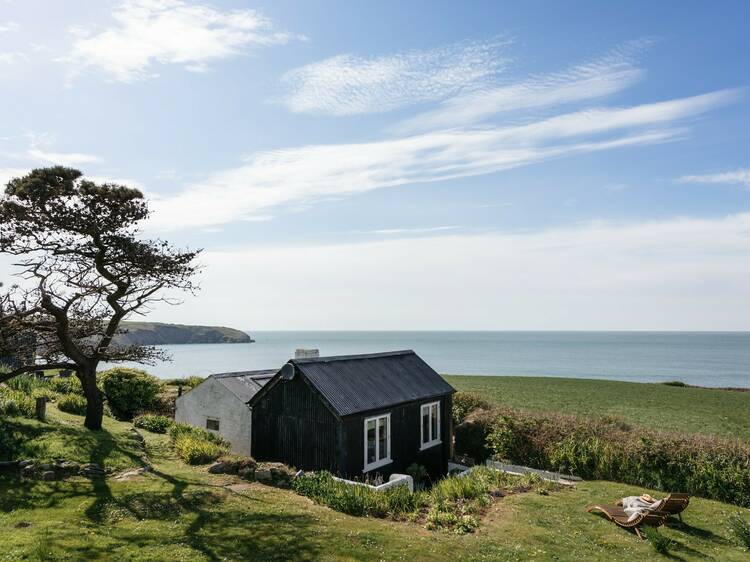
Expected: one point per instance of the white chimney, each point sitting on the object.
(305, 353)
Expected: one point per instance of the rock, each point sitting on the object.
(29, 470)
(91, 466)
(24, 464)
(218, 468)
(247, 473)
(68, 467)
(48, 475)
(263, 475)
(46, 467)
(129, 475)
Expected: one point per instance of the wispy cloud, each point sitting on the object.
(62, 158)
(6, 26)
(12, 57)
(312, 173)
(149, 33)
(407, 231)
(740, 176)
(664, 274)
(348, 84)
(600, 77)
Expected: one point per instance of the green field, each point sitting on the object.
(654, 406)
(183, 513)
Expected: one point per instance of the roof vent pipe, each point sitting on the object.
(304, 353)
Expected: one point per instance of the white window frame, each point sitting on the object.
(378, 461)
(434, 439)
(217, 420)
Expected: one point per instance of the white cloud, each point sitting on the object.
(311, 173)
(740, 176)
(7, 174)
(600, 77)
(7, 26)
(148, 33)
(12, 57)
(61, 158)
(668, 275)
(402, 231)
(347, 84)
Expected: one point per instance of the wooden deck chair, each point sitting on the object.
(619, 517)
(675, 504)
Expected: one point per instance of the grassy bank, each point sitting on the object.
(654, 406)
(182, 513)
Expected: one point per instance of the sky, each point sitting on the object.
(409, 165)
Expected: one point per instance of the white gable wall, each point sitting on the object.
(211, 399)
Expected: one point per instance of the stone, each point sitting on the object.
(217, 468)
(24, 464)
(46, 467)
(247, 473)
(29, 470)
(49, 475)
(263, 475)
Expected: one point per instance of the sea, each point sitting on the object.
(713, 359)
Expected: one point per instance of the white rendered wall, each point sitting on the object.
(211, 399)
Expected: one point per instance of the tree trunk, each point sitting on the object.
(94, 399)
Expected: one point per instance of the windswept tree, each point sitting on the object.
(83, 268)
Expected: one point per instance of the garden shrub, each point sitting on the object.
(44, 392)
(129, 391)
(72, 404)
(195, 450)
(464, 403)
(66, 385)
(419, 475)
(153, 423)
(195, 445)
(186, 382)
(26, 383)
(607, 449)
(16, 403)
(471, 435)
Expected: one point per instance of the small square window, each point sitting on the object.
(212, 424)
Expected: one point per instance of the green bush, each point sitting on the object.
(740, 529)
(129, 391)
(44, 392)
(607, 449)
(72, 404)
(464, 403)
(194, 450)
(187, 382)
(66, 385)
(195, 445)
(362, 501)
(26, 383)
(471, 435)
(16, 403)
(152, 423)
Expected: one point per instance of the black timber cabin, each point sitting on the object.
(355, 415)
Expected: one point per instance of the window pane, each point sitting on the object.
(434, 421)
(212, 424)
(425, 425)
(371, 441)
(383, 438)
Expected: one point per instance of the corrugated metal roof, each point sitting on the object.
(358, 383)
(244, 384)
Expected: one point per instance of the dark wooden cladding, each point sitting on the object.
(292, 425)
(307, 421)
(405, 441)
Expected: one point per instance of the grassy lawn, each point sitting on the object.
(654, 406)
(183, 513)
(63, 436)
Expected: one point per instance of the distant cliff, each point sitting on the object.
(154, 333)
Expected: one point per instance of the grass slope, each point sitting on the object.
(63, 436)
(654, 406)
(182, 513)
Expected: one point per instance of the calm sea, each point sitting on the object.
(705, 359)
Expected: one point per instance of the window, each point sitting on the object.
(212, 424)
(377, 441)
(430, 424)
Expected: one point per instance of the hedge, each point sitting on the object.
(608, 449)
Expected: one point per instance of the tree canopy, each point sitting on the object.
(83, 267)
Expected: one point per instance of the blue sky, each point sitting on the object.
(419, 165)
